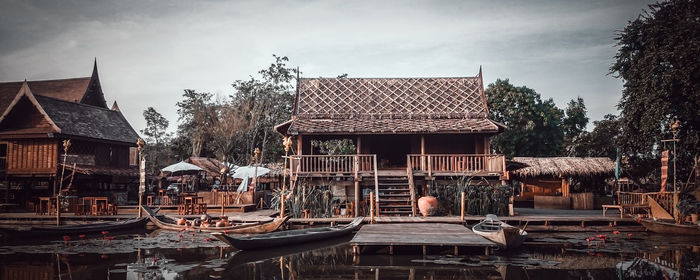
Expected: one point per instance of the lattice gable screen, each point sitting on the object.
(391, 98)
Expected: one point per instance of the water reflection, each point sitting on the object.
(168, 255)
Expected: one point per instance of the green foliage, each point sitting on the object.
(574, 125)
(157, 156)
(534, 125)
(602, 141)
(480, 199)
(262, 104)
(658, 60)
(335, 146)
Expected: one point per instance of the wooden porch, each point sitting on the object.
(430, 165)
(395, 187)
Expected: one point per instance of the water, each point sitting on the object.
(174, 255)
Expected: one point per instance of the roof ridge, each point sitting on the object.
(387, 78)
(77, 103)
(47, 80)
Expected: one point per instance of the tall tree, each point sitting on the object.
(574, 126)
(157, 139)
(534, 125)
(156, 125)
(602, 141)
(195, 113)
(658, 60)
(264, 103)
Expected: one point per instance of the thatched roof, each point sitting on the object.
(563, 167)
(390, 105)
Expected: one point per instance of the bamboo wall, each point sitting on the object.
(32, 156)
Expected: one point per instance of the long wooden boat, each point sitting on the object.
(504, 235)
(75, 230)
(167, 223)
(669, 226)
(289, 237)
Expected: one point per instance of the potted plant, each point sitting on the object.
(690, 208)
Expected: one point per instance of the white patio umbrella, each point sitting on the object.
(247, 172)
(181, 166)
(250, 172)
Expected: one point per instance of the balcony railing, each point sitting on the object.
(457, 163)
(332, 164)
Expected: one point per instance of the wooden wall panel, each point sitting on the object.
(32, 156)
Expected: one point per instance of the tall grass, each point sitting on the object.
(316, 199)
(481, 198)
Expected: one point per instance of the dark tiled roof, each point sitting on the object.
(390, 105)
(88, 121)
(367, 126)
(63, 89)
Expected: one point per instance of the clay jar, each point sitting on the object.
(428, 205)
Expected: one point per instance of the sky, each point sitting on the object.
(149, 51)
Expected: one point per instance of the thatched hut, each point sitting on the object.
(546, 181)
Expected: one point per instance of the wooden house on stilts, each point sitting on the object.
(408, 132)
(38, 115)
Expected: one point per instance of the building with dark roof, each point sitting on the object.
(422, 129)
(37, 116)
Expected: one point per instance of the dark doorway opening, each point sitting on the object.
(391, 150)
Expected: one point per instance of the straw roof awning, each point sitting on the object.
(562, 167)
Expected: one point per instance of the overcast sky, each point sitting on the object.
(149, 51)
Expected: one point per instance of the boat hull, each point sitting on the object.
(74, 230)
(287, 238)
(506, 236)
(247, 228)
(670, 227)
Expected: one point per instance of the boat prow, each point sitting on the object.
(501, 233)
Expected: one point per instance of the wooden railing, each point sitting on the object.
(458, 163)
(665, 199)
(332, 165)
(632, 198)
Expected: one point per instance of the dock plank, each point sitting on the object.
(433, 234)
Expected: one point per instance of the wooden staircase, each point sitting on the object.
(395, 196)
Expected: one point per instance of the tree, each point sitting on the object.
(574, 125)
(602, 141)
(262, 104)
(534, 126)
(158, 156)
(658, 60)
(195, 114)
(156, 125)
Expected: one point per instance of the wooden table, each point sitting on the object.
(46, 204)
(98, 205)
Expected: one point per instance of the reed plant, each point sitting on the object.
(303, 196)
(481, 197)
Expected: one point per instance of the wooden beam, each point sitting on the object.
(299, 145)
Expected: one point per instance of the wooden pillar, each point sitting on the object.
(487, 145)
(422, 152)
(357, 198)
(564, 187)
(299, 145)
(359, 144)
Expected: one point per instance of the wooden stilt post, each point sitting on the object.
(222, 204)
(371, 208)
(462, 213)
(282, 207)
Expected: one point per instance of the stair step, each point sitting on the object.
(394, 200)
(393, 184)
(396, 212)
(393, 195)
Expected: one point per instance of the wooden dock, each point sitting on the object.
(418, 234)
